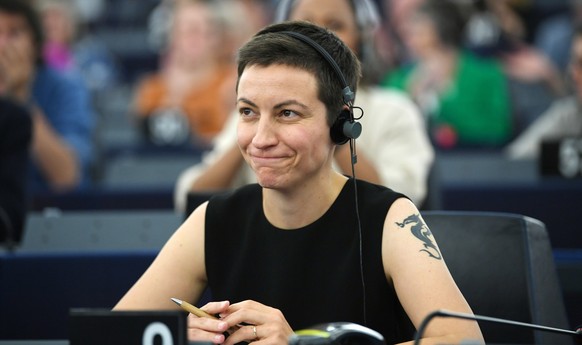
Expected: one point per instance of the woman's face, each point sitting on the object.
(420, 36)
(193, 34)
(16, 45)
(336, 15)
(398, 12)
(58, 25)
(282, 132)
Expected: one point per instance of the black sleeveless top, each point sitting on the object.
(311, 274)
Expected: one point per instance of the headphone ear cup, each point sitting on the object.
(337, 128)
(344, 128)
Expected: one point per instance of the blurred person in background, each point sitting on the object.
(71, 49)
(394, 149)
(553, 35)
(534, 80)
(396, 13)
(15, 138)
(464, 97)
(564, 117)
(257, 13)
(188, 99)
(61, 149)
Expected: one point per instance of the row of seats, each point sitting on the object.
(141, 179)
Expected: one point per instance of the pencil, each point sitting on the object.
(192, 309)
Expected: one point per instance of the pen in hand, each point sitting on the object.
(192, 309)
(199, 312)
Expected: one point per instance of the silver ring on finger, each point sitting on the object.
(255, 332)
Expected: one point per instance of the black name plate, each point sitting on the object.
(561, 158)
(106, 327)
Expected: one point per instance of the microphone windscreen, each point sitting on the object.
(578, 337)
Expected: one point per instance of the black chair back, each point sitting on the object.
(503, 264)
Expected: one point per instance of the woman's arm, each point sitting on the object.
(178, 270)
(56, 159)
(413, 262)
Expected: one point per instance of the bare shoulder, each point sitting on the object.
(401, 209)
(194, 224)
(199, 214)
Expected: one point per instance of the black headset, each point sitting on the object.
(345, 126)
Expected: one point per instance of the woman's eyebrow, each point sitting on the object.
(247, 101)
(290, 102)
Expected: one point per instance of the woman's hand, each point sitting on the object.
(206, 329)
(257, 324)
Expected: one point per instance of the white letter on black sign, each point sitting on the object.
(157, 328)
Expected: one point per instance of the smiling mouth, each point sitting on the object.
(267, 160)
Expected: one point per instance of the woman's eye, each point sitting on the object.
(288, 113)
(245, 111)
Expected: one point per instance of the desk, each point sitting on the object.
(39, 288)
(62, 342)
(34, 342)
(158, 197)
(58, 342)
(489, 182)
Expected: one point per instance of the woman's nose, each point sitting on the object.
(265, 134)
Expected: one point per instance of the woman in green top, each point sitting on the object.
(465, 97)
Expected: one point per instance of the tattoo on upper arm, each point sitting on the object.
(422, 232)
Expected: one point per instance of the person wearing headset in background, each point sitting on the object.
(395, 150)
(293, 251)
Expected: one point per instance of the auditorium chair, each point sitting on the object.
(504, 266)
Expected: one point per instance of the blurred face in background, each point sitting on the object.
(15, 33)
(398, 12)
(420, 36)
(58, 24)
(576, 65)
(194, 37)
(16, 46)
(335, 15)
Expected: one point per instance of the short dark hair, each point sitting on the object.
(26, 10)
(270, 47)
